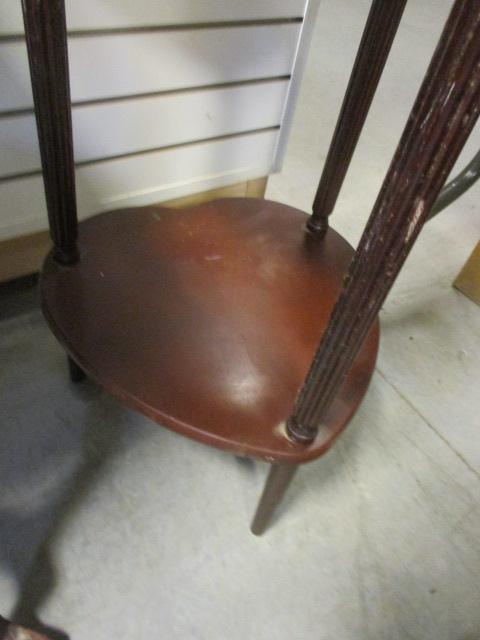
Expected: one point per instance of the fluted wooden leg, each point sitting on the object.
(278, 480)
(46, 40)
(444, 113)
(382, 24)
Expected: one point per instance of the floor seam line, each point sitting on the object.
(429, 424)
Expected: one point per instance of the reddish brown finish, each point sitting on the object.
(278, 481)
(444, 113)
(377, 39)
(206, 319)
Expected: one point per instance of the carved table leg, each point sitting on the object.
(377, 39)
(444, 113)
(46, 39)
(278, 480)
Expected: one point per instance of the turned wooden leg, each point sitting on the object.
(46, 40)
(77, 374)
(278, 479)
(444, 113)
(377, 39)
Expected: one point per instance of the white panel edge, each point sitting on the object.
(298, 69)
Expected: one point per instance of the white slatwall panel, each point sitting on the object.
(106, 66)
(156, 82)
(101, 14)
(114, 128)
(142, 179)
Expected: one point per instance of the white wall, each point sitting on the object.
(169, 98)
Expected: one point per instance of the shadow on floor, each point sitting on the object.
(39, 578)
(56, 439)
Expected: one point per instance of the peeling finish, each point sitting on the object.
(436, 131)
(415, 218)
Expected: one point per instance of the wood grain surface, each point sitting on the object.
(206, 319)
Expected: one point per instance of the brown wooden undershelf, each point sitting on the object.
(24, 255)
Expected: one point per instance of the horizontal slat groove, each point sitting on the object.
(142, 179)
(194, 26)
(148, 62)
(29, 174)
(138, 96)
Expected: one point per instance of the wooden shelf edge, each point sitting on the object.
(24, 255)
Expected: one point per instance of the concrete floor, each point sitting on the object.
(111, 527)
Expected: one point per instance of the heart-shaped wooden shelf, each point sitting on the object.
(206, 319)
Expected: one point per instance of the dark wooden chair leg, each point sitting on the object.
(278, 480)
(444, 113)
(77, 374)
(46, 39)
(377, 39)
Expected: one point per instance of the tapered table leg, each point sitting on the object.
(377, 39)
(278, 480)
